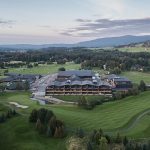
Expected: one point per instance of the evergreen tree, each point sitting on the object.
(56, 134)
(103, 144)
(14, 112)
(33, 116)
(101, 132)
(142, 86)
(125, 141)
(39, 125)
(48, 116)
(52, 124)
(42, 114)
(49, 132)
(61, 131)
(3, 118)
(8, 115)
(89, 146)
(97, 137)
(118, 139)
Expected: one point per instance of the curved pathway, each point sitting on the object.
(132, 123)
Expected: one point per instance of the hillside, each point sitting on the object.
(135, 47)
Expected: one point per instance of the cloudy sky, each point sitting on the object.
(69, 21)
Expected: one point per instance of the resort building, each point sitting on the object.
(119, 83)
(78, 82)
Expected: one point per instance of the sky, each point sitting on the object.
(71, 21)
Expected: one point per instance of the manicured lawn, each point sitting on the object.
(18, 134)
(108, 116)
(45, 69)
(75, 98)
(142, 129)
(137, 76)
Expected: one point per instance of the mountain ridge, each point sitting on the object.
(99, 42)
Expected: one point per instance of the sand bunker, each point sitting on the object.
(18, 105)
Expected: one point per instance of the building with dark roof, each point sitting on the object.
(14, 79)
(78, 82)
(119, 82)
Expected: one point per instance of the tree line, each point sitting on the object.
(88, 59)
(46, 123)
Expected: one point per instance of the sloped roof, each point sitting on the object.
(79, 73)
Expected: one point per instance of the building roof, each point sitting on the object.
(117, 78)
(17, 77)
(122, 79)
(76, 82)
(79, 73)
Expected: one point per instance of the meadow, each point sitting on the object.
(134, 49)
(136, 77)
(44, 68)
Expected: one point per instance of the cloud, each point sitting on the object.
(83, 20)
(108, 27)
(7, 23)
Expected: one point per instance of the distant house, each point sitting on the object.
(119, 82)
(78, 82)
(13, 80)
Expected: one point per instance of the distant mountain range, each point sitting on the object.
(101, 43)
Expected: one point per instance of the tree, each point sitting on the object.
(29, 66)
(89, 146)
(61, 69)
(14, 112)
(125, 141)
(3, 118)
(33, 116)
(103, 144)
(42, 114)
(52, 124)
(82, 102)
(39, 126)
(97, 137)
(56, 134)
(36, 64)
(61, 132)
(142, 86)
(2, 88)
(49, 132)
(5, 71)
(48, 116)
(26, 85)
(8, 115)
(118, 139)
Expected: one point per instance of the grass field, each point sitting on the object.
(134, 49)
(118, 113)
(142, 129)
(75, 98)
(137, 76)
(20, 134)
(44, 69)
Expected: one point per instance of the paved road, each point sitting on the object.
(39, 86)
